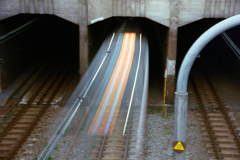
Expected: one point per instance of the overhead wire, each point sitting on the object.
(231, 44)
(19, 30)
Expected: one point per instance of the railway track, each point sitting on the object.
(115, 146)
(218, 127)
(32, 106)
(105, 114)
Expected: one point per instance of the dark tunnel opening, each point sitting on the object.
(216, 53)
(47, 38)
(97, 32)
(216, 59)
(188, 34)
(51, 38)
(157, 38)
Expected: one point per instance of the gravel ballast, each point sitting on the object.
(159, 137)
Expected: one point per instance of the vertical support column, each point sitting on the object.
(83, 37)
(180, 122)
(171, 62)
(172, 50)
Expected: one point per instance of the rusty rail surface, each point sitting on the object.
(38, 101)
(115, 145)
(224, 141)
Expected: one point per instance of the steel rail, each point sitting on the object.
(107, 74)
(142, 121)
(126, 143)
(23, 109)
(104, 82)
(34, 77)
(34, 96)
(225, 114)
(99, 68)
(80, 99)
(40, 114)
(127, 139)
(181, 95)
(94, 100)
(134, 85)
(102, 147)
(204, 113)
(113, 84)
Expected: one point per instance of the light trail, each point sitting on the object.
(114, 92)
(134, 85)
(119, 89)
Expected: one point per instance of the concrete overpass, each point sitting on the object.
(170, 13)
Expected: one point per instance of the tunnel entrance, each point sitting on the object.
(30, 39)
(157, 38)
(97, 32)
(217, 61)
(188, 34)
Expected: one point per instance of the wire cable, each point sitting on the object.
(231, 44)
(19, 30)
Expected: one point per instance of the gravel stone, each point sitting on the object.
(159, 137)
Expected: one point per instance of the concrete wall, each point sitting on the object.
(192, 10)
(160, 10)
(170, 13)
(67, 9)
(156, 10)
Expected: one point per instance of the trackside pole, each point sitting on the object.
(181, 95)
(164, 93)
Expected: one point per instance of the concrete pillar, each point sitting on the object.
(172, 50)
(171, 62)
(83, 37)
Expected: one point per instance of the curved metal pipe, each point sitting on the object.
(198, 45)
(181, 95)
